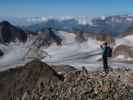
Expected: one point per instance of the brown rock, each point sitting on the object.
(123, 50)
(105, 37)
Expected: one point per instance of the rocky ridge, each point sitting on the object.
(38, 81)
(10, 33)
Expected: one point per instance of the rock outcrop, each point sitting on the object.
(128, 32)
(83, 85)
(105, 37)
(10, 33)
(123, 50)
(15, 82)
(38, 81)
(1, 53)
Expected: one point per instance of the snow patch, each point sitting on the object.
(128, 40)
(66, 37)
(122, 58)
(73, 51)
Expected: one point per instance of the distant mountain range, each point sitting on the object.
(110, 24)
(82, 27)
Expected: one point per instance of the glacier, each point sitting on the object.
(71, 52)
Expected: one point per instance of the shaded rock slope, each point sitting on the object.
(15, 82)
(129, 31)
(38, 81)
(9, 33)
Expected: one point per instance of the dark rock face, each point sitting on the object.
(15, 82)
(54, 37)
(1, 53)
(63, 68)
(10, 33)
(80, 37)
(48, 36)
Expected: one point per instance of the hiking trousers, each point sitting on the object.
(105, 64)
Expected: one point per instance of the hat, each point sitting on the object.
(105, 43)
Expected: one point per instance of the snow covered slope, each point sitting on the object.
(127, 40)
(14, 53)
(70, 52)
(73, 51)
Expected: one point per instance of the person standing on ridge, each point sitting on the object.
(106, 52)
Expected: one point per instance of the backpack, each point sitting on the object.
(109, 52)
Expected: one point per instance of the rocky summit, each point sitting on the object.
(38, 81)
(10, 33)
(15, 82)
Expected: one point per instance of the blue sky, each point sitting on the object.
(65, 7)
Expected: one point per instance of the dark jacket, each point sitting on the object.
(104, 51)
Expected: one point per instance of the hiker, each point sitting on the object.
(106, 52)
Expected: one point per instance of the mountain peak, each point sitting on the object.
(11, 33)
(5, 23)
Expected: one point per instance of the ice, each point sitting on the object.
(14, 53)
(73, 51)
(85, 54)
(120, 57)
